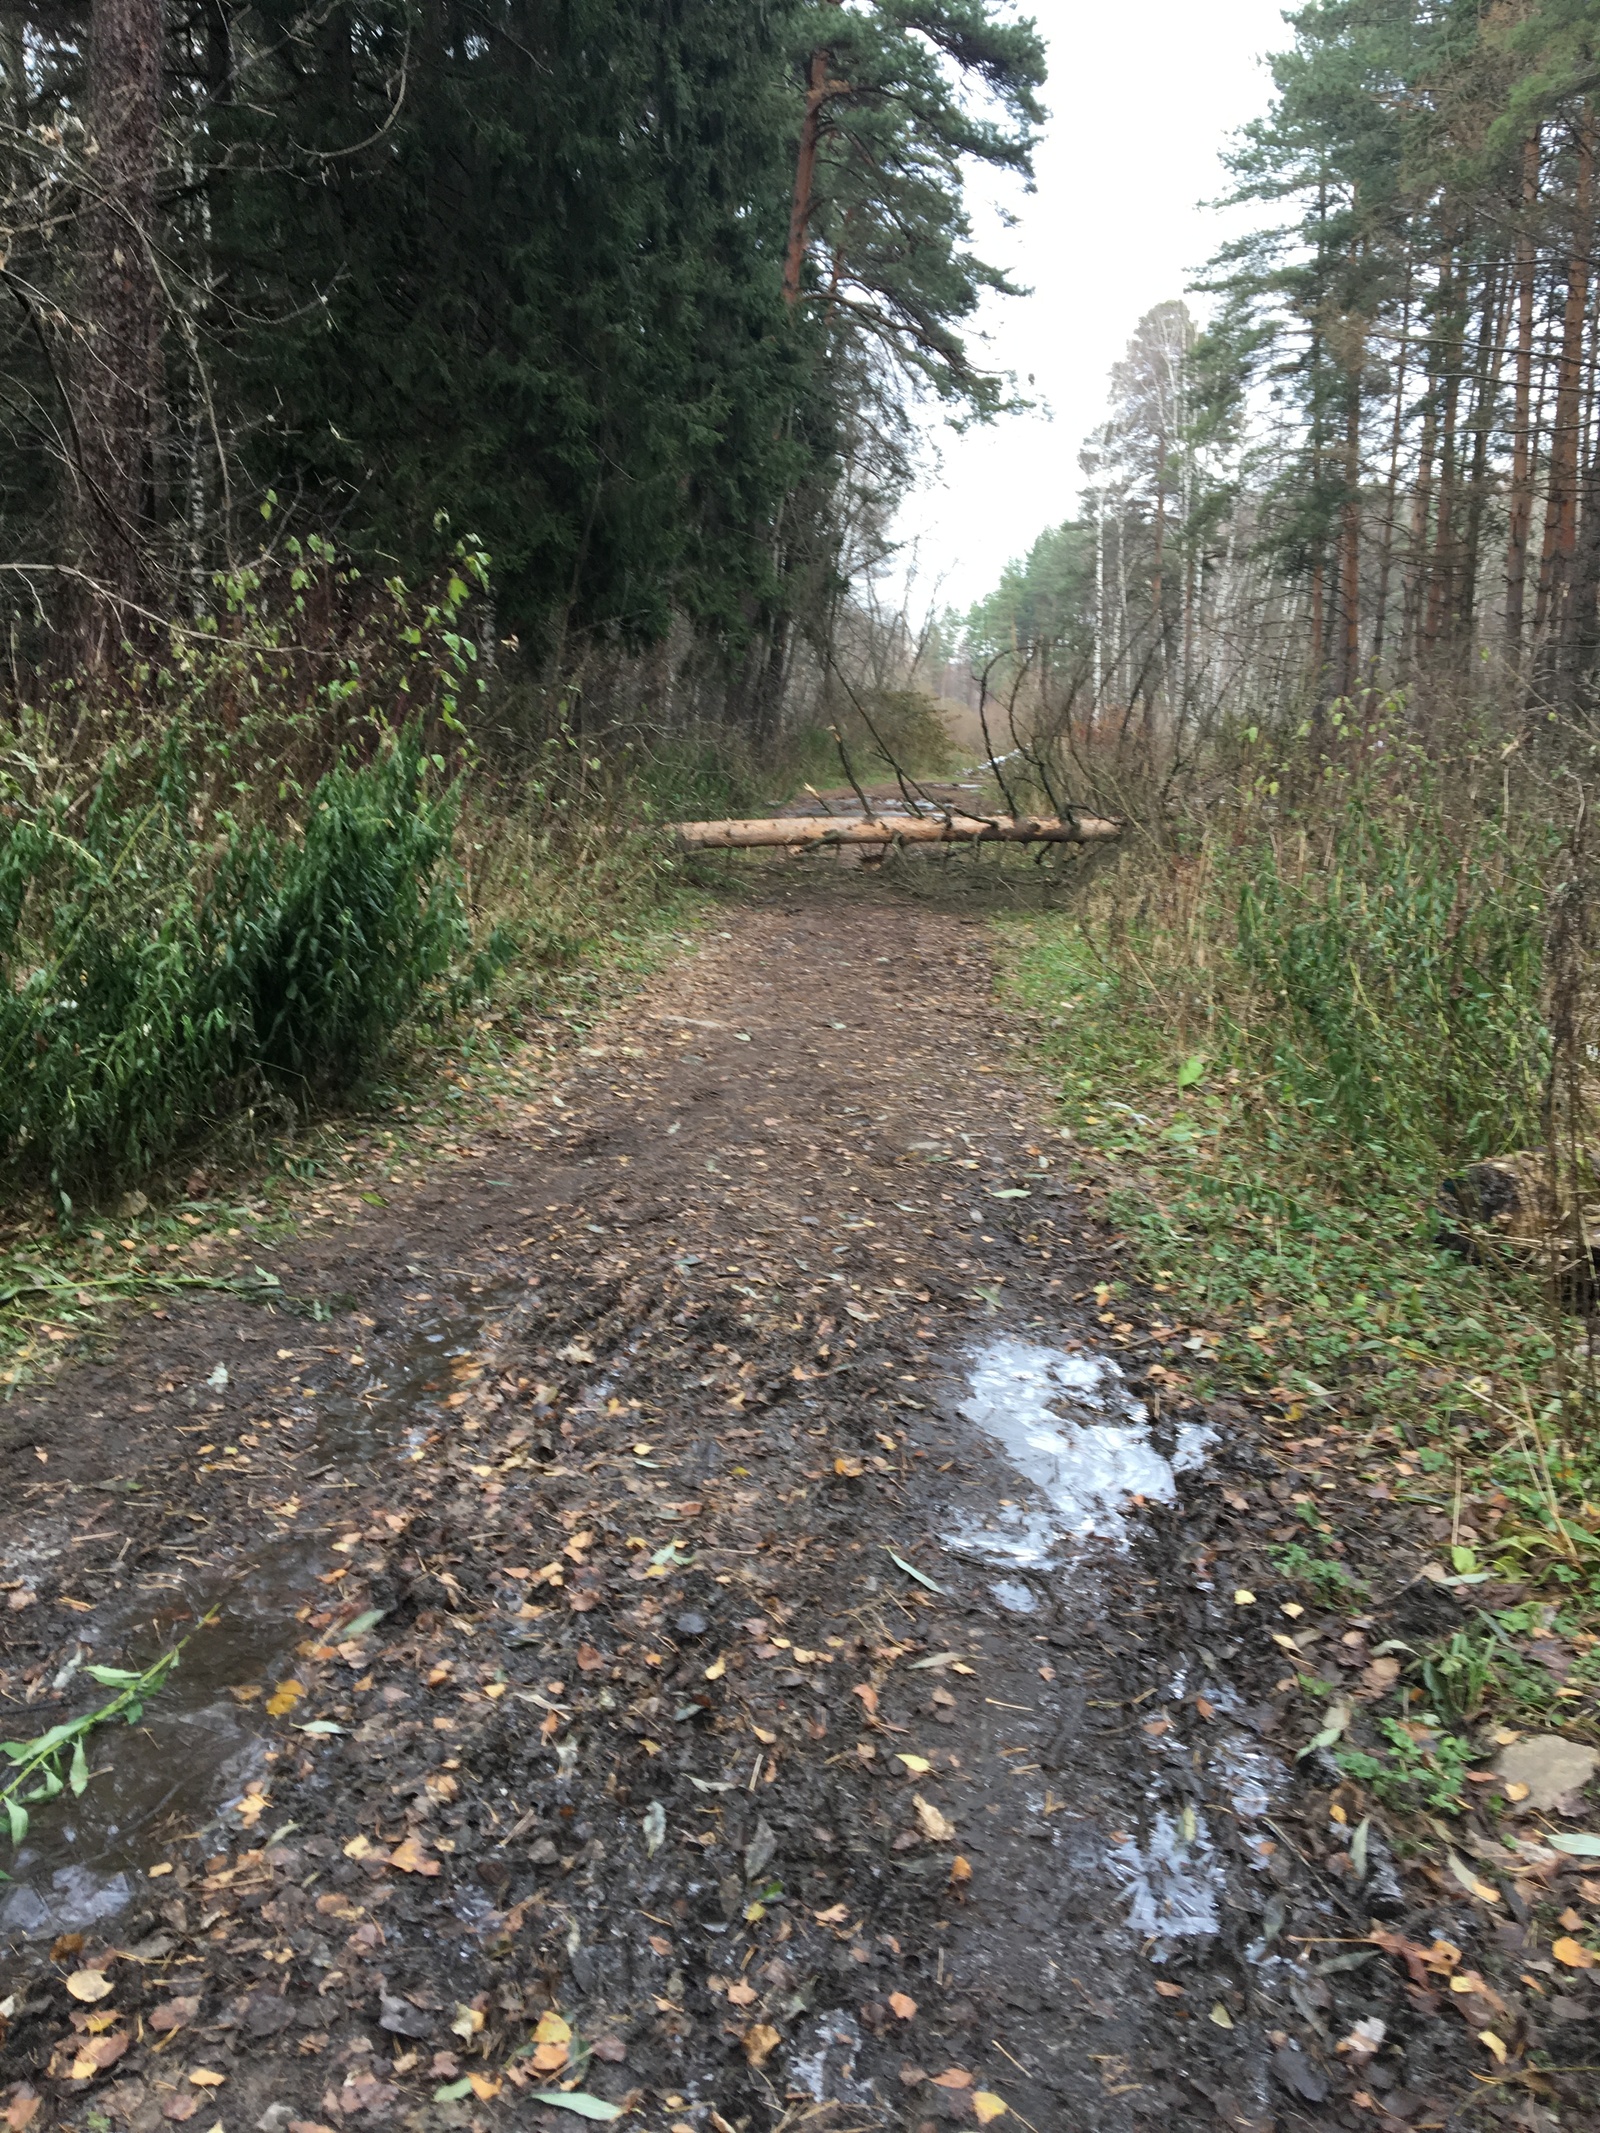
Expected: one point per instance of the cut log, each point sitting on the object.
(802, 831)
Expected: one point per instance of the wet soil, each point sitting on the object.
(710, 1616)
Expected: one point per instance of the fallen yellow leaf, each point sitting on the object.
(551, 2029)
(1516, 1790)
(1494, 2043)
(716, 1670)
(88, 1985)
(483, 2088)
(1243, 1596)
(1572, 1952)
(903, 2004)
(284, 1698)
(1221, 2016)
(934, 1824)
(204, 2078)
(916, 1764)
(960, 1869)
(410, 1858)
(760, 2041)
(742, 1995)
(987, 2106)
(549, 2058)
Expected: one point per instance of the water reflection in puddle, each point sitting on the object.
(1171, 1882)
(1068, 1424)
(196, 1746)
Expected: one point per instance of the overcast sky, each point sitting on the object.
(1143, 94)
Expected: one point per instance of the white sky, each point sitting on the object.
(1143, 95)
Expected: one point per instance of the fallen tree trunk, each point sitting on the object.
(801, 831)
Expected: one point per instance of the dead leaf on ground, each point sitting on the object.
(934, 1825)
(903, 2004)
(408, 1857)
(89, 1985)
(760, 2042)
(172, 2014)
(953, 2077)
(987, 2107)
(1573, 1953)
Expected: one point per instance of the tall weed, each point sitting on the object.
(158, 963)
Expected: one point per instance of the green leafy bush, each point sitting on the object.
(1403, 976)
(158, 962)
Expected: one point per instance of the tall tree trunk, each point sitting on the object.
(1520, 507)
(818, 89)
(1421, 512)
(116, 328)
(1489, 363)
(1350, 528)
(1441, 584)
(1392, 487)
(1561, 503)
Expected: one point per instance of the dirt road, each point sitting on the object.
(714, 1619)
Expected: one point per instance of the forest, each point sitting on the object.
(430, 385)
(1377, 466)
(771, 1365)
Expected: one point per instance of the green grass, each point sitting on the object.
(1264, 1083)
(1311, 1262)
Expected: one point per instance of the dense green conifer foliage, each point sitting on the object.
(515, 270)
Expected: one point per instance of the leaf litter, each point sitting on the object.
(649, 1739)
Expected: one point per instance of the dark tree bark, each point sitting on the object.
(1520, 515)
(116, 324)
(1552, 622)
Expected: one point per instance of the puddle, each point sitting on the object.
(1172, 1882)
(1067, 1423)
(1015, 1597)
(822, 2062)
(1252, 1779)
(196, 1747)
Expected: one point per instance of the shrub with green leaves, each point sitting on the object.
(159, 961)
(1403, 976)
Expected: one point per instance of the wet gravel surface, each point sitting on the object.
(712, 1619)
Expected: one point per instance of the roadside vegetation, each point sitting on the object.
(1281, 1030)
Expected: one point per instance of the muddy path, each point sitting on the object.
(712, 1617)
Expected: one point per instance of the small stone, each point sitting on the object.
(692, 1625)
(1553, 1770)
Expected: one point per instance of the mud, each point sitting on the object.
(752, 1609)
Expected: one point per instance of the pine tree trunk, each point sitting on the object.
(1441, 582)
(1350, 532)
(1392, 489)
(1520, 506)
(818, 89)
(1561, 503)
(1493, 320)
(116, 330)
(1421, 508)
